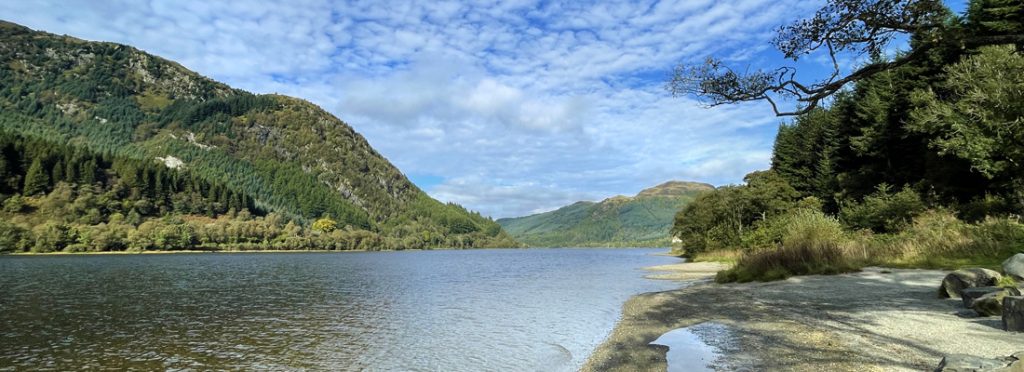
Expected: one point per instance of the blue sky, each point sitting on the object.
(506, 107)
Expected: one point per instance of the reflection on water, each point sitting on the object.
(540, 309)
(688, 349)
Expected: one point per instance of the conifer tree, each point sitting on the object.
(36, 179)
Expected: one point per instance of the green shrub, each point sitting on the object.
(12, 237)
(14, 204)
(980, 208)
(884, 211)
(769, 233)
(813, 243)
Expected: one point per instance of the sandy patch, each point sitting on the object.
(878, 319)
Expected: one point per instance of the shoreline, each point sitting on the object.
(187, 251)
(877, 319)
(193, 251)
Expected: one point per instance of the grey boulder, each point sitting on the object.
(969, 295)
(1014, 267)
(954, 283)
(970, 363)
(991, 304)
(1013, 314)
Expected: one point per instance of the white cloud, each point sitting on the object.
(520, 106)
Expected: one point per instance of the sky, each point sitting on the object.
(507, 107)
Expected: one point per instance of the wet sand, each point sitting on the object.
(877, 319)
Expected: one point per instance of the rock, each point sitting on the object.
(968, 295)
(970, 363)
(1013, 313)
(991, 304)
(957, 281)
(1014, 267)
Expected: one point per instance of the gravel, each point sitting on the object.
(877, 319)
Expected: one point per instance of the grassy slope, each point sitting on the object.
(642, 220)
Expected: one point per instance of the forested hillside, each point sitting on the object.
(279, 156)
(919, 164)
(640, 221)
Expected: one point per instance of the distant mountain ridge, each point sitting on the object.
(643, 220)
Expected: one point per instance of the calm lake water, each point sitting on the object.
(535, 309)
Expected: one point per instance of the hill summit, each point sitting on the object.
(643, 220)
(67, 103)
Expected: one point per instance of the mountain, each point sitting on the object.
(286, 156)
(642, 220)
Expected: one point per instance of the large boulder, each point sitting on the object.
(1014, 267)
(991, 304)
(1013, 313)
(970, 363)
(954, 283)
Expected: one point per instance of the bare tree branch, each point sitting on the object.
(864, 27)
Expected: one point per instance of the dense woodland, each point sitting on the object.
(87, 127)
(920, 164)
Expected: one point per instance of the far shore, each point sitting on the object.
(876, 320)
(62, 253)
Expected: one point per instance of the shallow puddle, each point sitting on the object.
(688, 349)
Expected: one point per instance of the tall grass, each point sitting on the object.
(937, 239)
(812, 243)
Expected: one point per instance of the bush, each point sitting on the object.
(14, 204)
(12, 237)
(884, 211)
(980, 208)
(813, 243)
(769, 233)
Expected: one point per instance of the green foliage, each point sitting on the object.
(884, 211)
(643, 220)
(996, 17)
(805, 155)
(979, 115)
(12, 237)
(721, 218)
(14, 204)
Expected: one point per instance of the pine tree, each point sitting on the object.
(36, 180)
(58, 172)
(87, 172)
(996, 17)
(4, 172)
